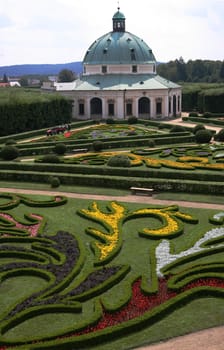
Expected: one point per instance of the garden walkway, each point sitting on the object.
(210, 339)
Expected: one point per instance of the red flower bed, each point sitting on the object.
(140, 303)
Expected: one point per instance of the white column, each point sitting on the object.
(135, 107)
(120, 107)
(87, 108)
(152, 108)
(166, 106)
(104, 108)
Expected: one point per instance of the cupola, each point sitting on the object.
(118, 21)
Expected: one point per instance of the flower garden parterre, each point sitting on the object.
(75, 280)
(188, 158)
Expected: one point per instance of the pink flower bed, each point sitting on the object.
(31, 229)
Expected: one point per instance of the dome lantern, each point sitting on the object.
(118, 21)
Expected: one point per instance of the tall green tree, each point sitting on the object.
(66, 75)
(222, 71)
(5, 79)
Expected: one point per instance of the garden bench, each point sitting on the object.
(142, 190)
(80, 150)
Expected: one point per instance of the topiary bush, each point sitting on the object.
(54, 181)
(60, 148)
(177, 128)
(193, 114)
(132, 120)
(50, 158)
(110, 121)
(119, 160)
(132, 133)
(9, 152)
(97, 146)
(220, 135)
(198, 127)
(151, 143)
(10, 142)
(207, 115)
(203, 136)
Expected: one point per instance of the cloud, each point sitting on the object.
(54, 31)
(5, 21)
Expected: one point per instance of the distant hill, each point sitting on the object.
(39, 69)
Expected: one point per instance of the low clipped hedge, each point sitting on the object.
(135, 141)
(204, 120)
(159, 184)
(147, 173)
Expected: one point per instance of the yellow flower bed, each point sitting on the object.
(170, 227)
(109, 242)
(202, 160)
(111, 221)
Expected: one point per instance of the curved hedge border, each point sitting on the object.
(16, 199)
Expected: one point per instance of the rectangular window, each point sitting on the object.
(169, 104)
(158, 107)
(111, 109)
(81, 109)
(104, 69)
(134, 69)
(133, 58)
(129, 108)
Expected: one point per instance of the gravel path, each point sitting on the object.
(127, 198)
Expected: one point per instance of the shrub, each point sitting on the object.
(54, 181)
(119, 160)
(177, 128)
(162, 126)
(207, 115)
(132, 133)
(198, 127)
(132, 120)
(82, 136)
(60, 148)
(220, 135)
(9, 152)
(110, 121)
(193, 114)
(10, 142)
(203, 136)
(151, 143)
(50, 158)
(97, 146)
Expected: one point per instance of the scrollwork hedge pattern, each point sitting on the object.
(73, 283)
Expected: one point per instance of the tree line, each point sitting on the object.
(192, 71)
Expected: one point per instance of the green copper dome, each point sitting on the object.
(119, 48)
(118, 15)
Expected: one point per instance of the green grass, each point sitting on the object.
(63, 188)
(191, 197)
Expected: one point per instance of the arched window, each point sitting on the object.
(144, 106)
(96, 106)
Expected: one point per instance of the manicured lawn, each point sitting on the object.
(116, 266)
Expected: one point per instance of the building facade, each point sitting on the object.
(119, 80)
